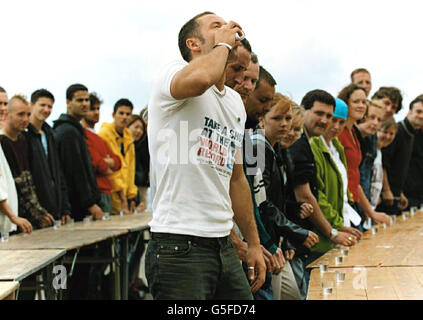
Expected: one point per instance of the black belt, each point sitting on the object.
(201, 241)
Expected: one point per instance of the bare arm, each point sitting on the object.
(22, 223)
(244, 217)
(304, 194)
(205, 70)
(388, 196)
(368, 211)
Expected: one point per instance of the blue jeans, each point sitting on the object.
(299, 270)
(264, 294)
(194, 268)
(302, 275)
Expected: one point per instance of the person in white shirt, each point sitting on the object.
(196, 127)
(385, 136)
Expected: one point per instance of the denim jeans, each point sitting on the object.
(105, 202)
(302, 275)
(194, 268)
(298, 268)
(264, 294)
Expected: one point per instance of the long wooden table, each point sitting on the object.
(127, 223)
(16, 265)
(62, 238)
(388, 263)
(398, 245)
(383, 283)
(131, 223)
(7, 289)
(80, 234)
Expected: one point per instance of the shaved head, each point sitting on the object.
(15, 101)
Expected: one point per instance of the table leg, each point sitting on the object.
(48, 283)
(124, 257)
(116, 269)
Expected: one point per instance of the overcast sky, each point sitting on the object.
(115, 47)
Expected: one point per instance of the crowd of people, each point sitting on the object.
(248, 186)
(69, 172)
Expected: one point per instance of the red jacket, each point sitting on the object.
(99, 149)
(353, 153)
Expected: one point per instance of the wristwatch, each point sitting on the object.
(333, 233)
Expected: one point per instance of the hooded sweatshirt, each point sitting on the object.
(76, 165)
(123, 179)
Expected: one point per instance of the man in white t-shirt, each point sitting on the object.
(196, 127)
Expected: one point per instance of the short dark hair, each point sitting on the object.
(95, 99)
(2, 90)
(317, 95)
(254, 58)
(266, 76)
(347, 91)
(246, 44)
(358, 70)
(41, 93)
(393, 93)
(417, 99)
(189, 30)
(74, 88)
(123, 102)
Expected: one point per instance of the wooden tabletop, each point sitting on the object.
(62, 238)
(7, 289)
(398, 245)
(131, 223)
(16, 265)
(384, 283)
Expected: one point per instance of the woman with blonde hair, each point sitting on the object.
(276, 123)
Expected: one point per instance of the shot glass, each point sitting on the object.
(4, 236)
(87, 220)
(324, 266)
(393, 219)
(57, 224)
(240, 37)
(344, 251)
(421, 207)
(339, 259)
(106, 216)
(404, 216)
(340, 276)
(384, 226)
(327, 286)
(375, 229)
(413, 211)
(121, 213)
(71, 222)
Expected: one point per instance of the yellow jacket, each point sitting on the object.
(123, 179)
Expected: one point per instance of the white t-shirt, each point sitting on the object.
(8, 193)
(377, 180)
(192, 143)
